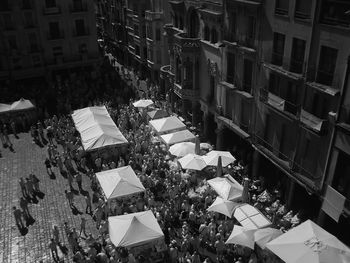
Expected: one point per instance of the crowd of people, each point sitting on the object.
(178, 198)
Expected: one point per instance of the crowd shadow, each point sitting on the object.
(52, 176)
(84, 192)
(23, 230)
(63, 248)
(40, 194)
(75, 191)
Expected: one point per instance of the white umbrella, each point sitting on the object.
(223, 206)
(228, 189)
(309, 243)
(212, 158)
(142, 103)
(264, 235)
(206, 146)
(182, 148)
(241, 236)
(193, 162)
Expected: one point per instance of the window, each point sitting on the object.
(36, 61)
(214, 36)
(50, 3)
(274, 84)
(80, 27)
(248, 73)
(282, 7)
(149, 31)
(12, 41)
(326, 65)
(145, 53)
(28, 19)
(291, 98)
(303, 9)
(341, 181)
(7, 21)
(157, 34)
(144, 31)
(26, 4)
(136, 30)
(150, 54)
(206, 33)
(181, 23)
(251, 27)
(230, 74)
(335, 13)
(278, 48)
(33, 42)
(4, 5)
(137, 50)
(77, 5)
(54, 30)
(319, 106)
(297, 58)
(232, 27)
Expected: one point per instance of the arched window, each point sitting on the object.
(214, 36)
(176, 22)
(206, 33)
(188, 69)
(178, 70)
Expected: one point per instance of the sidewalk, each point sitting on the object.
(53, 209)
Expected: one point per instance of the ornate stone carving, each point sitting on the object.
(213, 68)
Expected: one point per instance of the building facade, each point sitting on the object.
(42, 38)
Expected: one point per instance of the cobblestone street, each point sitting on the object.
(52, 210)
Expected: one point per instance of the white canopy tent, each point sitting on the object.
(22, 104)
(179, 136)
(227, 187)
(4, 108)
(119, 182)
(96, 128)
(134, 229)
(167, 125)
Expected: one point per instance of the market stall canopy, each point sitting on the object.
(226, 187)
(119, 182)
(212, 158)
(134, 229)
(143, 103)
(265, 235)
(168, 124)
(22, 104)
(97, 129)
(4, 107)
(241, 236)
(193, 162)
(182, 148)
(309, 243)
(250, 217)
(223, 206)
(179, 136)
(157, 114)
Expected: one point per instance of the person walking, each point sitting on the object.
(29, 188)
(23, 203)
(35, 180)
(70, 197)
(18, 217)
(88, 208)
(79, 180)
(83, 226)
(22, 184)
(6, 136)
(56, 234)
(48, 166)
(70, 179)
(13, 128)
(53, 249)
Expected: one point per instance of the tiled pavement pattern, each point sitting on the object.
(53, 209)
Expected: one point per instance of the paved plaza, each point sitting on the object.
(52, 209)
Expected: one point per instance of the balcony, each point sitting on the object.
(288, 67)
(312, 122)
(186, 94)
(325, 82)
(187, 44)
(282, 104)
(52, 10)
(55, 36)
(78, 8)
(281, 11)
(152, 16)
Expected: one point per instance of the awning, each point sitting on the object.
(179, 136)
(134, 229)
(168, 124)
(250, 217)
